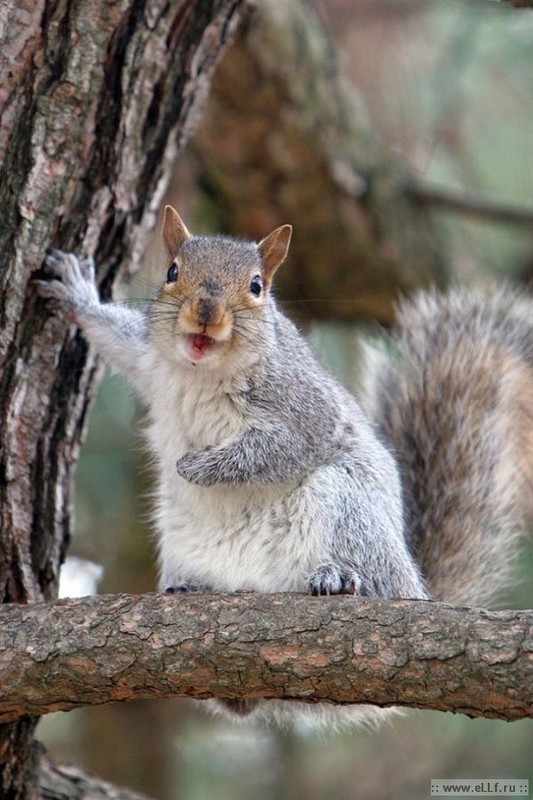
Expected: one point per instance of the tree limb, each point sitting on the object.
(65, 782)
(113, 648)
(427, 194)
(520, 3)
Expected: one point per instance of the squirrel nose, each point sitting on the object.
(208, 310)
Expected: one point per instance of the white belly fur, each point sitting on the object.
(224, 537)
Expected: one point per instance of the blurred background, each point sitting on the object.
(397, 137)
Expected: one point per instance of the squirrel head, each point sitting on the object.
(218, 286)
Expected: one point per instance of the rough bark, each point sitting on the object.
(65, 782)
(283, 119)
(93, 108)
(338, 649)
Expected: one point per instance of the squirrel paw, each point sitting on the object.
(183, 588)
(331, 579)
(199, 466)
(240, 705)
(69, 280)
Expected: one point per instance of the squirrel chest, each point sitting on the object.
(223, 537)
(200, 411)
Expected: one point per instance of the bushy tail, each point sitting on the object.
(455, 401)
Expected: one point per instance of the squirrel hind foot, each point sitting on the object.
(238, 705)
(331, 579)
(183, 588)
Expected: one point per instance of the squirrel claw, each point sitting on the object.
(330, 579)
(184, 588)
(69, 280)
(239, 705)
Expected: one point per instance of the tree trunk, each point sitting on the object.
(285, 138)
(94, 107)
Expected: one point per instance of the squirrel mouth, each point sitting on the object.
(198, 345)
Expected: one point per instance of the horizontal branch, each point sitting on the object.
(340, 649)
(520, 3)
(427, 194)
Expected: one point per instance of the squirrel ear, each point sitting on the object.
(174, 231)
(273, 249)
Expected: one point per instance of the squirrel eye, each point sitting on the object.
(256, 285)
(172, 274)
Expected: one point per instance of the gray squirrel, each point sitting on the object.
(270, 475)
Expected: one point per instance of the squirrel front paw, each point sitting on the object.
(331, 579)
(199, 466)
(70, 280)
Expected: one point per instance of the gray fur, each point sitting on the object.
(456, 404)
(282, 482)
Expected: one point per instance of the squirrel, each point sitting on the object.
(272, 477)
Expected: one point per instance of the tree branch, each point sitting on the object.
(520, 3)
(65, 782)
(427, 194)
(340, 649)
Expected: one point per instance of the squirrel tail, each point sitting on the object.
(454, 399)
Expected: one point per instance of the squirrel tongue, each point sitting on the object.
(199, 341)
(198, 344)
